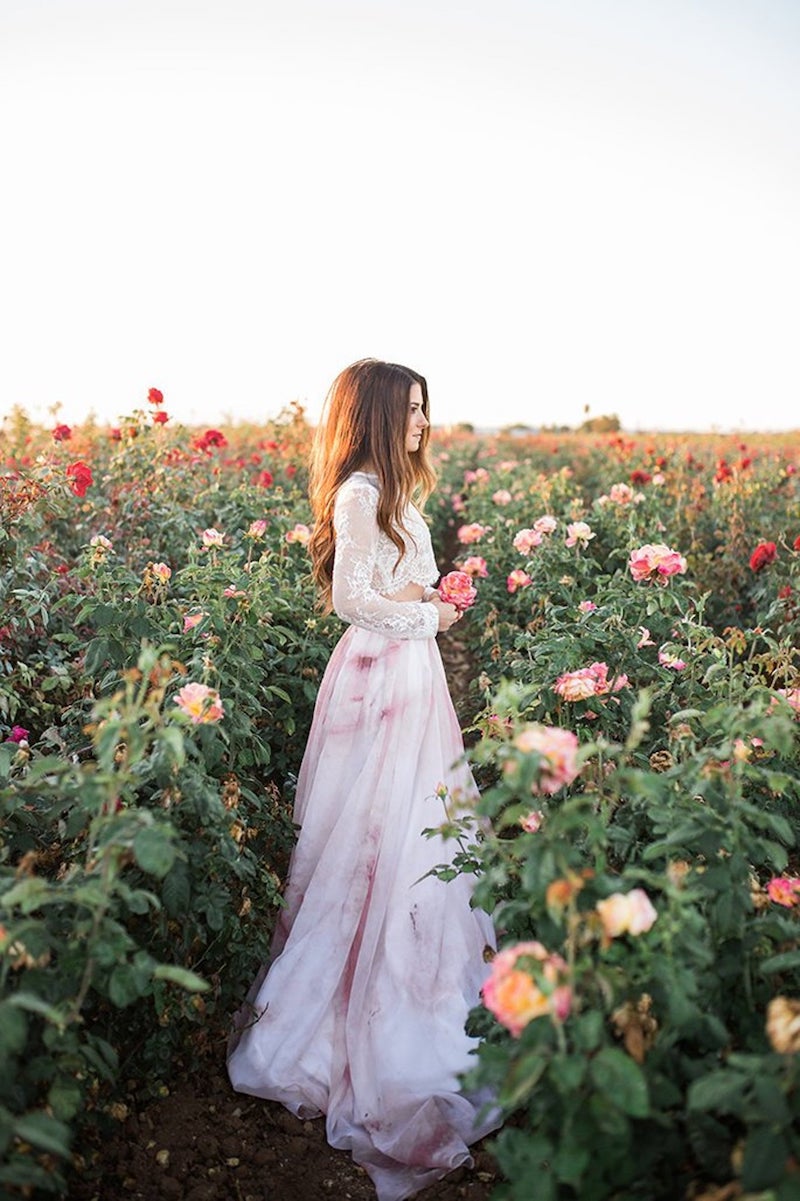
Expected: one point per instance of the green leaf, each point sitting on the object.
(49, 1134)
(622, 1081)
(721, 1091)
(29, 894)
(176, 890)
(96, 655)
(13, 1029)
(182, 976)
(123, 987)
(171, 739)
(104, 615)
(765, 1155)
(65, 1098)
(7, 753)
(779, 963)
(35, 1004)
(153, 851)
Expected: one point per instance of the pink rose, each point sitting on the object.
(299, 533)
(211, 537)
(655, 560)
(791, 696)
(191, 620)
(257, 529)
(526, 540)
(587, 606)
(558, 749)
(545, 525)
(474, 565)
(784, 890)
(513, 995)
(588, 681)
(18, 734)
(162, 572)
(578, 534)
(471, 533)
(518, 579)
(669, 659)
(201, 703)
(502, 497)
(532, 822)
(456, 588)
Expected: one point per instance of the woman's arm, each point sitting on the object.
(354, 598)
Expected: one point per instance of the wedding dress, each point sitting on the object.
(375, 967)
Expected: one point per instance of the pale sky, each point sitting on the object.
(540, 205)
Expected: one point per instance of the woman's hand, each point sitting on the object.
(448, 614)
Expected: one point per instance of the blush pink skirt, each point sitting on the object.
(375, 967)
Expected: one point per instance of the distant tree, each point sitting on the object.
(601, 425)
(517, 430)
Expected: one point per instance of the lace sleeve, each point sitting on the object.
(355, 598)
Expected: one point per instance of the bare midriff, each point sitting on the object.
(411, 592)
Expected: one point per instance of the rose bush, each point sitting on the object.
(635, 737)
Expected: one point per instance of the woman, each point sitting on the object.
(375, 966)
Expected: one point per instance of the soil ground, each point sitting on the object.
(203, 1142)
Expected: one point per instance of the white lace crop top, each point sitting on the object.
(364, 572)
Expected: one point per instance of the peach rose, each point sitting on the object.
(626, 913)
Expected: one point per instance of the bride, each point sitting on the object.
(374, 966)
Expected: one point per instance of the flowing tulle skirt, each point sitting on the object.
(375, 968)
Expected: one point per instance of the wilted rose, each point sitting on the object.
(783, 1025)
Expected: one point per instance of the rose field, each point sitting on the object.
(630, 695)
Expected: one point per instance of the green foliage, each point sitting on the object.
(142, 854)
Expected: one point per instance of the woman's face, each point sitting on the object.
(417, 421)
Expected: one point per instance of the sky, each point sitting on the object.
(553, 209)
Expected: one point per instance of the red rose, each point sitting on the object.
(155, 397)
(764, 554)
(62, 433)
(264, 479)
(208, 439)
(161, 418)
(80, 476)
(115, 434)
(640, 477)
(796, 543)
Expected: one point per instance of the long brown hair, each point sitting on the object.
(364, 424)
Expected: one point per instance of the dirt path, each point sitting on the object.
(203, 1142)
